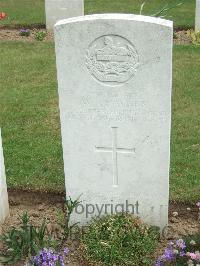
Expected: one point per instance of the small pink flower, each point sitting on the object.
(193, 256)
(198, 204)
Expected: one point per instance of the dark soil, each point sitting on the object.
(20, 26)
(40, 205)
(14, 35)
(183, 219)
(181, 37)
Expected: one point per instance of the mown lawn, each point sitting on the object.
(185, 144)
(32, 12)
(23, 12)
(29, 116)
(31, 129)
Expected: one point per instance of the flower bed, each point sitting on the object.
(181, 249)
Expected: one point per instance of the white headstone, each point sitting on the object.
(114, 79)
(62, 9)
(197, 19)
(4, 206)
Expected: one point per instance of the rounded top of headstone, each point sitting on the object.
(117, 16)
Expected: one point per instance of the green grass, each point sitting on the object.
(23, 12)
(185, 145)
(28, 12)
(183, 16)
(29, 116)
(31, 128)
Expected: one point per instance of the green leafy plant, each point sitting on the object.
(175, 36)
(195, 36)
(120, 239)
(65, 216)
(24, 32)
(40, 35)
(23, 242)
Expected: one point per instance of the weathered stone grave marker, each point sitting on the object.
(114, 80)
(197, 19)
(4, 206)
(62, 9)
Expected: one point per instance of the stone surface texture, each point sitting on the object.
(4, 206)
(197, 19)
(114, 79)
(62, 9)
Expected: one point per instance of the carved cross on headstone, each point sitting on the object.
(115, 150)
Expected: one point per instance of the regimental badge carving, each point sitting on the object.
(112, 59)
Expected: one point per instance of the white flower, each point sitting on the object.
(175, 251)
(190, 263)
(192, 242)
(175, 214)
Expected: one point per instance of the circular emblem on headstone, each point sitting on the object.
(112, 59)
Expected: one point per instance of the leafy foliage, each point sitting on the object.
(195, 36)
(23, 242)
(119, 239)
(65, 216)
(24, 32)
(40, 35)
